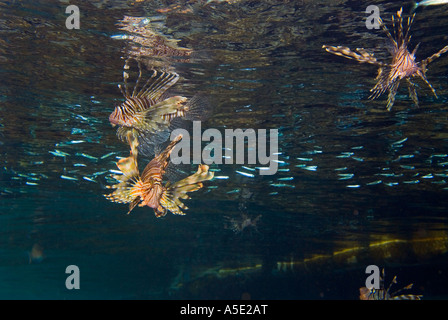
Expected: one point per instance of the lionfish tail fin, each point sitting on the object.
(198, 108)
(362, 56)
(171, 198)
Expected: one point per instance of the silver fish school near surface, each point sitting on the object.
(212, 153)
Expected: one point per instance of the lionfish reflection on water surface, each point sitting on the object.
(147, 189)
(147, 113)
(383, 294)
(403, 65)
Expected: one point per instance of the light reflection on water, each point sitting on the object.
(360, 175)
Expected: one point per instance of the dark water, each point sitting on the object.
(356, 185)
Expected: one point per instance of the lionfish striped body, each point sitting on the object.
(147, 189)
(145, 111)
(403, 65)
(383, 294)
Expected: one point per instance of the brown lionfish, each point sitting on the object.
(402, 66)
(146, 112)
(147, 189)
(146, 42)
(383, 294)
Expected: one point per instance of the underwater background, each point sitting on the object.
(357, 185)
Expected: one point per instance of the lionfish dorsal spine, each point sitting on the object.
(157, 85)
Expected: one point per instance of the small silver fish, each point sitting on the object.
(86, 156)
(399, 142)
(59, 153)
(345, 155)
(285, 179)
(88, 179)
(305, 159)
(68, 178)
(428, 3)
(345, 176)
(107, 155)
(250, 175)
(374, 183)
(282, 185)
(309, 168)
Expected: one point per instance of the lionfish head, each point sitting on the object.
(116, 117)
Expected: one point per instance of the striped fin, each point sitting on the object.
(157, 118)
(157, 85)
(423, 77)
(412, 91)
(363, 56)
(383, 83)
(158, 165)
(171, 197)
(430, 59)
(127, 190)
(391, 97)
(407, 297)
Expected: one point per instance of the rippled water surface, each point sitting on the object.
(356, 185)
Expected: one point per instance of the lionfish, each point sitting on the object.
(145, 111)
(147, 189)
(238, 225)
(383, 294)
(402, 66)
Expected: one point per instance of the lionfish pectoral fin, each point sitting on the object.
(391, 97)
(363, 57)
(382, 84)
(423, 77)
(412, 91)
(125, 189)
(133, 204)
(430, 59)
(158, 117)
(173, 193)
